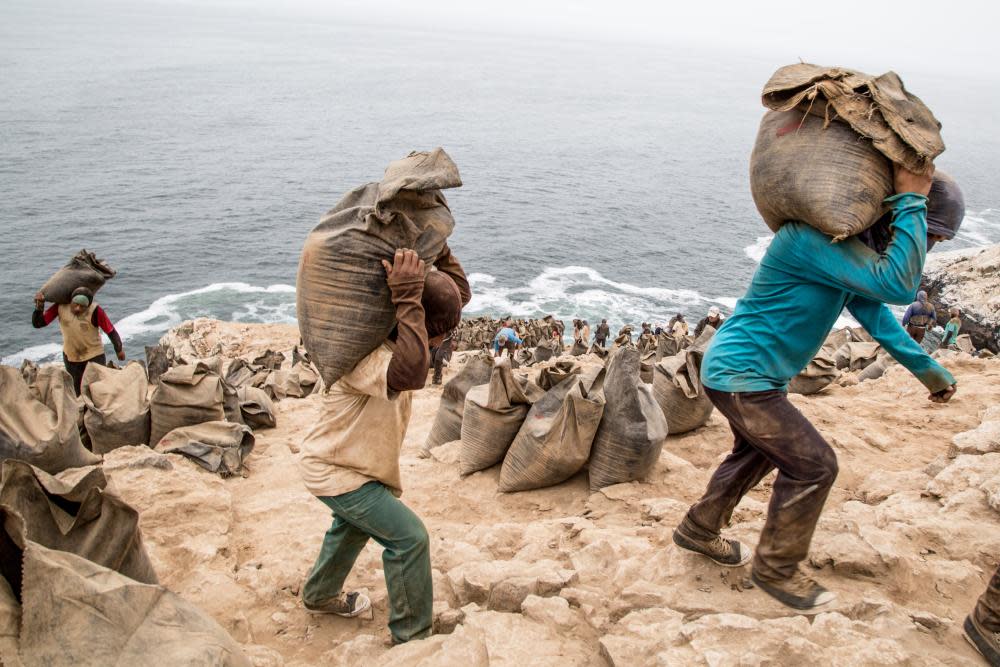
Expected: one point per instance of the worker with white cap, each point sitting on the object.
(714, 320)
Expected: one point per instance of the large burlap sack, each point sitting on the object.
(116, 412)
(83, 270)
(678, 390)
(39, 422)
(185, 396)
(257, 408)
(218, 446)
(827, 177)
(75, 612)
(492, 416)
(343, 301)
(554, 441)
(75, 512)
(817, 375)
(855, 356)
(896, 122)
(447, 425)
(550, 376)
(629, 440)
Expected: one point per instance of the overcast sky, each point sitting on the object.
(935, 37)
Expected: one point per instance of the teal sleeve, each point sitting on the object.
(878, 320)
(893, 276)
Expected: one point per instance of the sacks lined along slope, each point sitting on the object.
(116, 410)
(448, 420)
(823, 153)
(555, 439)
(83, 270)
(185, 396)
(492, 416)
(630, 437)
(75, 512)
(39, 422)
(677, 387)
(343, 303)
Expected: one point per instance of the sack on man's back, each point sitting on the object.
(824, 152)
(82, 270)
(343, 302)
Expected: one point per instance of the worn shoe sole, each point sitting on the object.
(975, 637)
(687, 545)
(364, 604)
(822, 602)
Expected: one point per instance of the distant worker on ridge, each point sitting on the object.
(81, 321)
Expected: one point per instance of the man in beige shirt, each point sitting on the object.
(350, 459)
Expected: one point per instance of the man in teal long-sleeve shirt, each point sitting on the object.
(803, 283)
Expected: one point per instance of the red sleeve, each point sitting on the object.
(101, 320)
(51, 313)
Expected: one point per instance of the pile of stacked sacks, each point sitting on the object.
(544, 427)
(76, 583)
(477, 333)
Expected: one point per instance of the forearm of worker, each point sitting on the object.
(411, 358)
(878, 320)
(448, 263)
(893, 276)
(101, 319)
(43, 318)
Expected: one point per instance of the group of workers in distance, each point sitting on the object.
(350, 459)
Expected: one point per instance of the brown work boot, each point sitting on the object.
(983, 640)
(800, 592)
(348, 605)
(728, 553)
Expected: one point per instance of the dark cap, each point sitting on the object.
(945, 206)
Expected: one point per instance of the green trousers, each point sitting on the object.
(373, 512)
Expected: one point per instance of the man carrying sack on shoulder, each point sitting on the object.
(350, 459)
(803, 283)
(81, 322)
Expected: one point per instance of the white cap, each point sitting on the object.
(714, 310)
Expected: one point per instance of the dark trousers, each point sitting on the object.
(769, 433)
(916, 333)
(76, 368)
(988, 608)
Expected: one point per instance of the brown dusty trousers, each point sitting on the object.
(988, 608)
(770, 433)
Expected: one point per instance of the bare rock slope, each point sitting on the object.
(560, 576)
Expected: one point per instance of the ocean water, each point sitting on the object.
(194, 150)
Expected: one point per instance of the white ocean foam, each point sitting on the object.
(36, 353)
(756, 250)
(165, 313)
